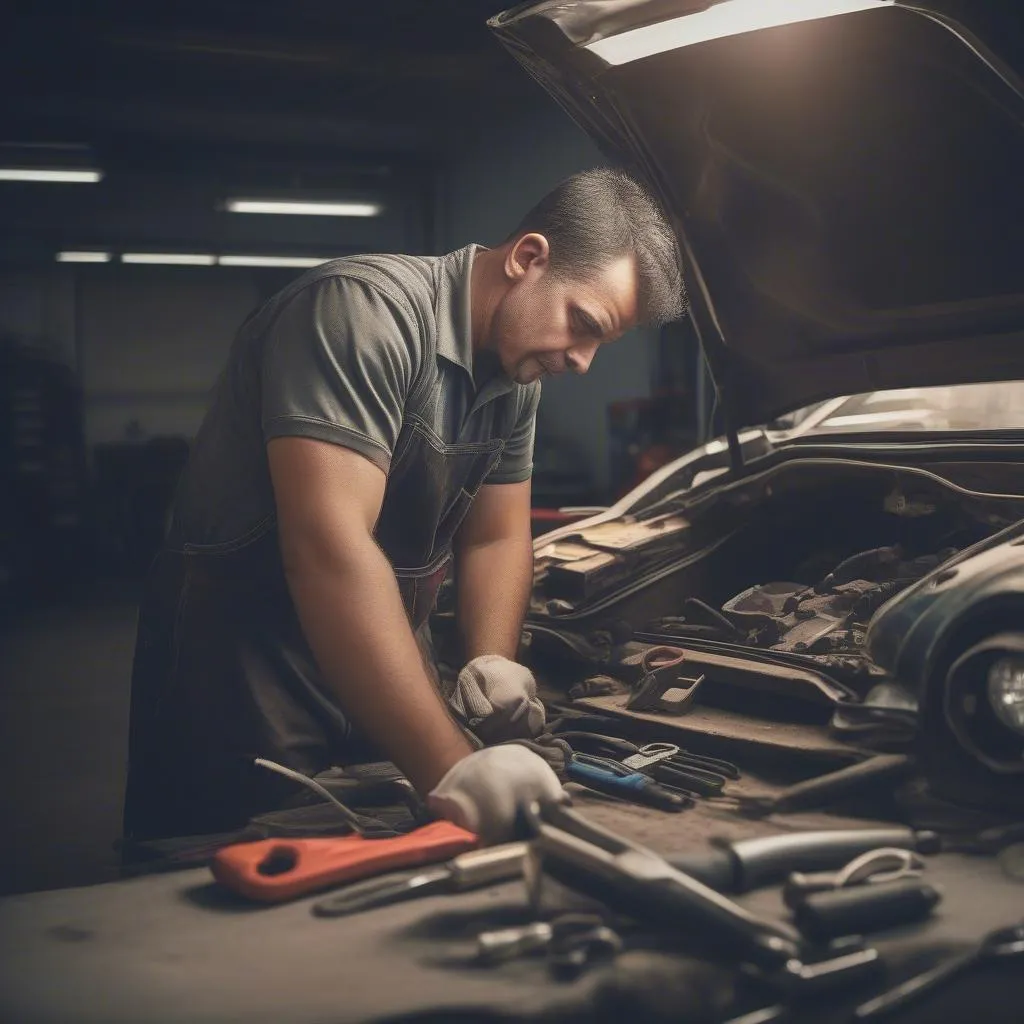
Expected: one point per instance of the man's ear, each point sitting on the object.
(527, 250)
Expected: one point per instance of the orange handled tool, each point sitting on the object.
(274, 870)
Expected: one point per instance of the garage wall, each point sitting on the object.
(505, 167)
(152, 342)
(38, 309)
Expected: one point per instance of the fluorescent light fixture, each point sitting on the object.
(272, 261)
(729, 18)
(189, 259)
(49, 174)
(304, 209)
(72, 256)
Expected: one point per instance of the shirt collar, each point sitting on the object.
(454, 319)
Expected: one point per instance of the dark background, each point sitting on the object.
(105, 369)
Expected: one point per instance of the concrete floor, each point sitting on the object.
(65, 673)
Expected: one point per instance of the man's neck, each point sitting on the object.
(484, 288)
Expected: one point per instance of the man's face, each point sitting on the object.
(547, 324)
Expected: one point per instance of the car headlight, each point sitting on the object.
(1006, 691)
(983, 702)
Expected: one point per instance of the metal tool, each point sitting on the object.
(613, 778)
(640, 882)
(630, 754)
(472, 870)
(645, 886)
(650, 753)
(663, 686)
(863, 909)
(361, 825)
(687, 778)
(753, 863)
(571, 942)
(882, 769)
(888, 864)
(997, 945)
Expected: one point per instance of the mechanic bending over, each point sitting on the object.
(375, 418)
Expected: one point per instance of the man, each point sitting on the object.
(372, 430)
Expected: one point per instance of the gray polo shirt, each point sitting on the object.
(351, 353)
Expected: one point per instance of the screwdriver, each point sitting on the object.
(614, 779)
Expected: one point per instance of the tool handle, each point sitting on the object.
(274, 870)
(636, 787)
(826, 788)
(479, 868)
(822, 916)
(771, 858)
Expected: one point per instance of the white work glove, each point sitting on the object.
(485, 791)
(497, 699)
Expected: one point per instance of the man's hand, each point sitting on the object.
(497, 699)
(486, 791)
(328, 499)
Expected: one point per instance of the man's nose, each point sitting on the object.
(579, 357)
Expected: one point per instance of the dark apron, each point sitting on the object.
(223, 673)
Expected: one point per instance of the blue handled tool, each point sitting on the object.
(615, 779)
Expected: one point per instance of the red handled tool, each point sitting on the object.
(274, 870)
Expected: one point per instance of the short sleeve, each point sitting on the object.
(516, 462)
(338, 363)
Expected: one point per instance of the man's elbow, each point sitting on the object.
(309, 553)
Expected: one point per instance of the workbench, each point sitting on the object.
(176, 947)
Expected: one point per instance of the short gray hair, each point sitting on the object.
(596, 217)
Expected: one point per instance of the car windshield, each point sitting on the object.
(997, 406)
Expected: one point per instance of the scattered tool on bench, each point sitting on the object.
(885, 864)
(663, 686)
(825, 790)
(473, 870)
(692, 775)
(636, 881)
(614, 779)
(861, 910)
(1000, 944)
(738, 867)
(273, 870)
(571, 942)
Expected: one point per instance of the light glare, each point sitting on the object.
(72, 256)
(730, 18)
(272, 261)
(192, 259)
(1006, 691)
(50, 174)
(304, 209)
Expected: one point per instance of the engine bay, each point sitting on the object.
(794, 561)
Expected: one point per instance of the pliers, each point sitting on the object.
(614, 778)
(692, 774)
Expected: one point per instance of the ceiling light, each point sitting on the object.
(191, 259)
(304, 209)
(72, 256)
(729, 18)
(49, 174)
(272, 261)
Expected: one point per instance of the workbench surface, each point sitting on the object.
(175, 947)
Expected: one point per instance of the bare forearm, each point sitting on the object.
(353, 616)
(493, 583)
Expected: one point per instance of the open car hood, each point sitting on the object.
(848, 191)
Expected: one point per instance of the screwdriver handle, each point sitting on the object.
(493, 864)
